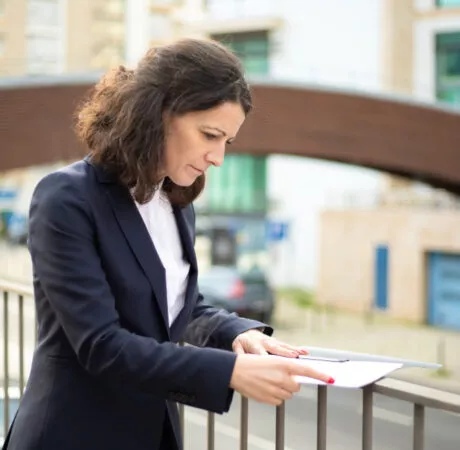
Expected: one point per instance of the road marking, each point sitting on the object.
(254, 441)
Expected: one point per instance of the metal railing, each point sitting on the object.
(421, 397)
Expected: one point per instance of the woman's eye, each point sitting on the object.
(210, 136)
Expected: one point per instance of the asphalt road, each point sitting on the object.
(392, 424)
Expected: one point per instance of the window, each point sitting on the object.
(240, 184)
(2, 44)
(160, 27)
(447, 3)
(448, 67)
(42, 54)
(252, 48)
(43, 13)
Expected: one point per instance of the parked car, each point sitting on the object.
(247, 294)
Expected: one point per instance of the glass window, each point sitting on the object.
(447, 3)
(240, 184)
(43, 13)
(448, 67)
(42, 54)
(252, 48)
(160, 26)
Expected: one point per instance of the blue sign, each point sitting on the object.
(277, 231)
(7, 194)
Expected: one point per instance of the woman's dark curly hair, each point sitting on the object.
(122, 122)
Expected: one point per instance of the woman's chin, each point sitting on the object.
(183, 180)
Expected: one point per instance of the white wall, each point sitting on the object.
(334, 43)
(137, 30)
(331, 42)
(304, 187)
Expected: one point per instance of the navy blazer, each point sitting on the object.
(107, 371)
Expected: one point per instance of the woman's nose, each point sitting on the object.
(216, 157)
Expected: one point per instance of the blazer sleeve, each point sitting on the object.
(214, 327)
(67, 267)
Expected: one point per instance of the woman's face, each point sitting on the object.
(196, 140)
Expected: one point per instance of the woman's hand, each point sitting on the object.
(270, 379)
(265, 378)
(255, 342)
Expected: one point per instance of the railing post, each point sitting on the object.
(182, 419)
(280, 414)
(419, 427)
(211, 431)
(367, 417)
(6, 380)
(244, 423)
(321, 419)
(182, 408)
(21, 343)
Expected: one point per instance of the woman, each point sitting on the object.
(115, 272)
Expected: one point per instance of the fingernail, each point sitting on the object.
(331, 381)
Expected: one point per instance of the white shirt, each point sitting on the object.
(161, 224)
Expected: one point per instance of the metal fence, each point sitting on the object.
(16, 298)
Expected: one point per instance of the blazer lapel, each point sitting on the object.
(140, 242)
(186, 236)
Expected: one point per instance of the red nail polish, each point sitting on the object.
(331, 381)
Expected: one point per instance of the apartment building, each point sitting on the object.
(41, 37)
(402, 256)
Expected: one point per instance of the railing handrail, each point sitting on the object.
(390, 387)
(16, 288)
(418, 394)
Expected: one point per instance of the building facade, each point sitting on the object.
(402, 256)
(295, 42)
(46, 37)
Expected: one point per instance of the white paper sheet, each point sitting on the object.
(349, 374)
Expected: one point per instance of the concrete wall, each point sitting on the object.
(347, 247)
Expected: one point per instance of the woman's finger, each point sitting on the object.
(295, 348)
(238, 348)
(280, 350)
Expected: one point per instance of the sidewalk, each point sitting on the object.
(381, 336)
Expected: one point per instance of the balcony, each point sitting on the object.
(19, 337)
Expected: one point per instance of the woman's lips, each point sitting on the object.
(201, 172)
